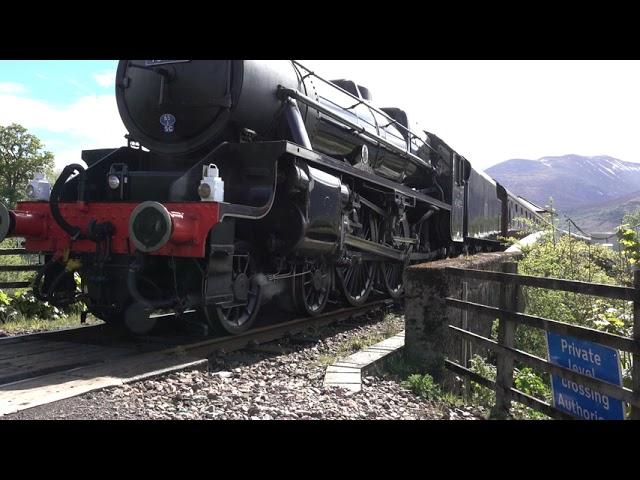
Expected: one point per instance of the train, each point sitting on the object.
(245, 183)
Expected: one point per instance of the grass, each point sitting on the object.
(423, 385)
(357, 344)
(327, 360)
(452, 399)
(28, 322)
(366, 339)
(16, 260)
(23, 325)
(407, 374)
(347, 348)
(360, 341)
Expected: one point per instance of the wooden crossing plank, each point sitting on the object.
(22, 350)
(50, 362)
(58, 386)
(69, 355)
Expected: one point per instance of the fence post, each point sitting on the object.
(635, 358)
(506, 337)
(465, 345)
(427, 317)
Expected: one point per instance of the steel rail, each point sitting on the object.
(170, 346)
(273, 332)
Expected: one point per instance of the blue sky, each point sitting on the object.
(489, 111)
(70, 105)
(59, 82)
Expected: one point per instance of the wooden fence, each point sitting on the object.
(509, 319)
(17, 268)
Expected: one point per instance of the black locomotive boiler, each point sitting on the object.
(247, 182)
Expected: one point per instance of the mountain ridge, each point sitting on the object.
(573, 181)
(607, 216)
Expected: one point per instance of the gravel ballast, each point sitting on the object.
(279, 380)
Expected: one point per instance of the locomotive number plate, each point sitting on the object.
(151, 63)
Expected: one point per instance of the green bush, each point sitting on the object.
(7, 312)
(23, 304)
(28, 306)
(529, 382)
(572, 259)
(482, 395)
(423, 386)
(524, 379)
(629, 243)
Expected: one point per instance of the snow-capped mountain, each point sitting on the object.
(573, 181)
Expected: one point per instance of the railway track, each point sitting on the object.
(46, 367)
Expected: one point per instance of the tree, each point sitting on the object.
(21, 157)
(628, 236)
(632, 219)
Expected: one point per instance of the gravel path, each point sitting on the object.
(280, 380)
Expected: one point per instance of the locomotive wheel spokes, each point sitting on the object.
(239, 316)
(311, 289)
(356, 281)
(392, 272)
(392, 278)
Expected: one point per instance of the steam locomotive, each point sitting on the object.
(247, 182)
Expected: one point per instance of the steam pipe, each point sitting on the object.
(296, 124)
(74, 231)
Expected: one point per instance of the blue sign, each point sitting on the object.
(590, 359)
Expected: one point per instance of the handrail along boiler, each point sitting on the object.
(258, 182)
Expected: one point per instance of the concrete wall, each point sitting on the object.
(427, 340)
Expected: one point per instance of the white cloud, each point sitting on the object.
(491, 111)
(105, 79)
(92, 121)
(11, 88)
